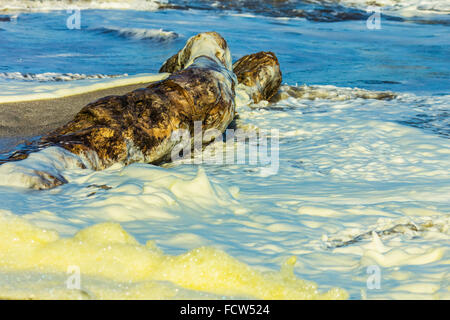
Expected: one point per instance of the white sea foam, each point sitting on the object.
(49, 5)
(65, 55)
(15, 91)
(39, 169)
(54, 76)
(395, 7)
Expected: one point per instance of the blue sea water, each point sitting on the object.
(401, 56)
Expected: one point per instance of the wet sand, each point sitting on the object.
(22, 120)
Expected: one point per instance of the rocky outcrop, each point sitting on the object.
(138, 126)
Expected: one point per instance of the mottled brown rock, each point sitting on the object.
(260, 73)
(138, 126)
(180, 60)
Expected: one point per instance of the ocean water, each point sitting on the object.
(361, 183)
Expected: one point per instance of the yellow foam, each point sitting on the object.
(106, 252)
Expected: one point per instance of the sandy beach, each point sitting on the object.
(22, 120)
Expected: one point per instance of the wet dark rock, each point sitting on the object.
(138, 126)
(260, 71)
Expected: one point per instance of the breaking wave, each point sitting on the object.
(54, 76)
(158, 35)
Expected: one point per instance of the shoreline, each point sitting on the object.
(22, 120)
